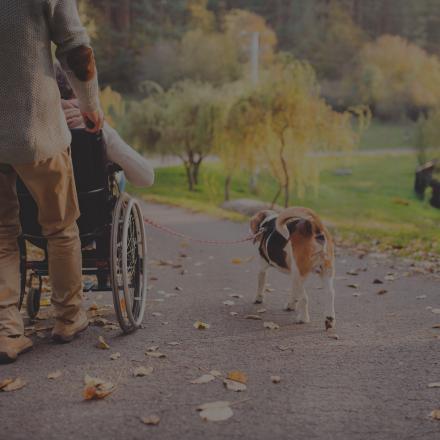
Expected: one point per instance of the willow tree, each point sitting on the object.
(179, 122)
(299, 125)
(240, 131)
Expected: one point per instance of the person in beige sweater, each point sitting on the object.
(34, 144)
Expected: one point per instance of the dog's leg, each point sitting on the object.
(299, 301)
(262, 277)
(330, 316)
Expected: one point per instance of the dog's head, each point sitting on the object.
(258, 220)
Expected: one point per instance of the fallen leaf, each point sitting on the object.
(261, 311)
(352, 272)
(237, 261)
(5, 383)
(271, 325)
(156, 314)
(382, 292)
(152, 348)
(96, 388)
(421, 297)
(435, 414)
(115, 356)
(199, 325)
(13, 385)
(436, 326)
(275, 379)
(238, 376)
(232, 385)
(55, 375)
(206, 378)
(236, 295)
(142, 371)
(377, 281)
(353, 286)
(216, 373)
(229, 303)
(254, 317)
(336, 337)
(102, 344)
(215, 411)
(434, 385)
(285, 347)
(173, 343)
(151, 420)
(356, 294)
(233, 313)
(436, 311)
(156, 354)
(178, 288)
(390, 278)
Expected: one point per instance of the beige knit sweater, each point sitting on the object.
(32, 123)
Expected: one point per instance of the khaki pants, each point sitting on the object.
(52, 185)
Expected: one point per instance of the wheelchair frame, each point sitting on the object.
(113, 238)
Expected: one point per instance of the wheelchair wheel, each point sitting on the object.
(128, 263)
(23, 271)
(33, 302)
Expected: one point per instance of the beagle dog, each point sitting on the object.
(296, 242)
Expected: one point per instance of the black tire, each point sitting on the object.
(23, 271)
(33, 302)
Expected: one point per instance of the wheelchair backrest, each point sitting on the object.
(92, 182)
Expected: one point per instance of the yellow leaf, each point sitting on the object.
(199, 325)
(151, 420)
(237, 376)
(15, 385)
(102, 344)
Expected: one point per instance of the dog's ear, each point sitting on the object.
(305, 228)
(257, 219)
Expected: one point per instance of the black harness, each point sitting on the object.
(273, 244)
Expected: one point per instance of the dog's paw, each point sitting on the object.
(330, 322)
(290, 307)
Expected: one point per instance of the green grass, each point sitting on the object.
(375, 203)
(381, 135)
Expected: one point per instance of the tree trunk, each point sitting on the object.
(286, 185)
(277, 195)
(189, 176)
(196, 170)
(228, 181)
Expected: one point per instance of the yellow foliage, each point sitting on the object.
(113, 106)
(396, 75)
(201, 17)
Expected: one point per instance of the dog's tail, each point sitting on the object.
(301, 218)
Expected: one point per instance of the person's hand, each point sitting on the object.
(94, 121)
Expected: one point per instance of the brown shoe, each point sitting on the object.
(64, 332)
(11, 347)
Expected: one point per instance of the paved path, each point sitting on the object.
(371, 383)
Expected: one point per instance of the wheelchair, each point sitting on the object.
(113, 240)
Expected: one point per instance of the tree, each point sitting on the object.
(181, 122)
(299, 124)
(397, 78)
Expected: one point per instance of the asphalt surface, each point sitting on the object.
(370, 383)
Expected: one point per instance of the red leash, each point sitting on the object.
(196, 240)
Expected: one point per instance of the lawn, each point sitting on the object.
(385, 135)
(375, 204)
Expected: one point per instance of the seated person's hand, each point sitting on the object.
(94, 121)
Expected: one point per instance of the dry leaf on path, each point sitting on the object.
(232, 385)
(382, 292)
(253, 317)
(275, 379)
(285, 347)
(152, 348)
(421, 297)
(206, 378)
(261, 311)
(353, 285)
(233, 313)
(173, 343)
(215, 411)
(13, 385)
(199, 325)
(229, 303)
(151, 420)
(216, 373)
(435, 414)
(102, 344)
(96, 388)
(115, 356)
(236, 295)
(238, 376)
(271, 326)
(434, 385)
(142, 371)
(436, 326)
(156, 354)
(377, 281)
(55, 375)
(5, 382)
